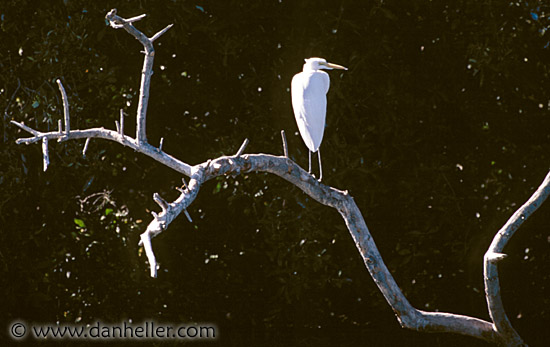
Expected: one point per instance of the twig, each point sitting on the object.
(121, 130)
(26, 128)
(86, 144)
(136, 18)
(161, 142)
(65, 107)
(187, 215)
(45, 153)
(243, 147)
(159, 34)
(285, 145)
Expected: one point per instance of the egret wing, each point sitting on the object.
(309, 102)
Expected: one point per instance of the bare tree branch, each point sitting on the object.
(135, 19)
(118, 22)
(102, 133)
(494, 255)
(407, 315)
(27, 129)
(65, 108)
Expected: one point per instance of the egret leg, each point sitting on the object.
(309, 171)
(320, 167)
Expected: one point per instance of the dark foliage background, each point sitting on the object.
(440, 130)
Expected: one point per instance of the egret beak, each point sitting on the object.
(335, 66)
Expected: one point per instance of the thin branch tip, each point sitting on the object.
(121, 130)
(160, 33)
(187, 215)
(285, 145)
(242, 148)
(45, 153)
(136, 18)
(161, 143)
(86, 144)
(65, 100)
(26, 128)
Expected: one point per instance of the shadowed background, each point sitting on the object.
(439, 129)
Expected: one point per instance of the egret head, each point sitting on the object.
(320, 63)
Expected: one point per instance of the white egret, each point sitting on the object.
(309, 101)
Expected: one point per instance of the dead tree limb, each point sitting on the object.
(119, 22)
(499, 330)
(494, 255)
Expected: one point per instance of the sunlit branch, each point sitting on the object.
(495, 254)
(65, 108)
(27, 129)
(169, 211)
(102, 133)
(136, 18)
(147, 71)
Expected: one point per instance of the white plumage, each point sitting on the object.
(309, 100)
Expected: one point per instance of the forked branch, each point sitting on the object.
(497, 331)
(147, 71)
